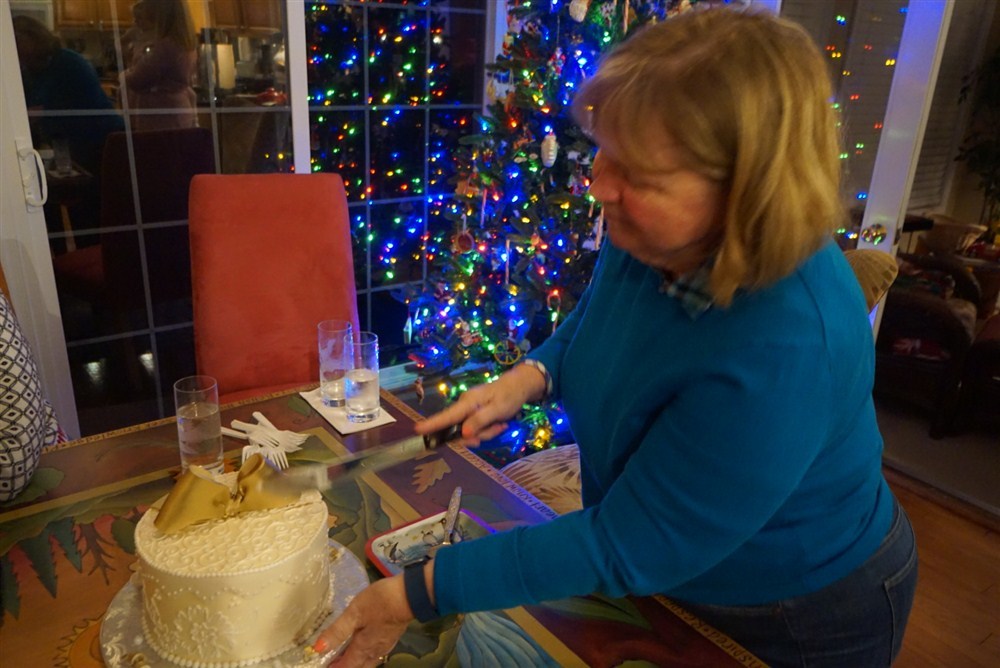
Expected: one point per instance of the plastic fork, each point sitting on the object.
(289, 441)
(257, 431)
(273, 453)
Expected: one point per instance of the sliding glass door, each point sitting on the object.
(127, 101)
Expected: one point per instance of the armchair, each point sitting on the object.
(980, 397)
(925, 335)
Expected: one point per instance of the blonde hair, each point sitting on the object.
(172, 21)
(747, 97)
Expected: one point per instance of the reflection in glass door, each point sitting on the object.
(127, 100)
(144, 94)
(861, 40)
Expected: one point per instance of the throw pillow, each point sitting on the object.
(27, 421)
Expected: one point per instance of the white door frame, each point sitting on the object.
(920, 50)
(24, 246)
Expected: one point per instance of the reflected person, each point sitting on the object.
(59, 79)
(160, 76)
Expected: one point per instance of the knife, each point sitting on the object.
(451, 516)
(322, 476)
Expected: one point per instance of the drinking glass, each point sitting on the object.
(63, 161)
(199, 429)
(361, 382)
(333, 359)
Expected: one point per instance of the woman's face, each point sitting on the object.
(668, 217)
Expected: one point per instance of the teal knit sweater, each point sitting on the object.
(731, 458)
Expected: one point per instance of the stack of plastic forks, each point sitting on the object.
(266, 439)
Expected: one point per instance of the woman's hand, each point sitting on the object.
(483, 410)
(373, 622)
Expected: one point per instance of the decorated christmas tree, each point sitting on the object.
(520, 245)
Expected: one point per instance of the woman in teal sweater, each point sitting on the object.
(717, 373)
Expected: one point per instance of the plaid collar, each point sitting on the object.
(691, 289)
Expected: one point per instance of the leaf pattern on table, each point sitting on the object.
(94, 544)
(43, 481)
(39, 553)
(427, 474)
(430, 645)
(300, 405)
(491, 639)
(123, 531)
(64, 534)
(601, 607)
(359, 514)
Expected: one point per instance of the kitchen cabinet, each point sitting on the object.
(226, 13)
(247, 15)
(93, 13)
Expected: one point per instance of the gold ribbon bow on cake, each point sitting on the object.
(198, 497)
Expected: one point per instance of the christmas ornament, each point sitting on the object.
(466, 336)
(550, 149)
(507, 353)
(578, 10)
(463, 242)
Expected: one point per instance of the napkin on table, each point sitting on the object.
(337, 416)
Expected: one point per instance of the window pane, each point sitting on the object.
(114, 383)
(168, 263)
(397, 231)
(446, 127)
(335, 36)
(338, 145)
(456, 58)
(359, 243)
(397, 53)
(398, 153)
(100, 286)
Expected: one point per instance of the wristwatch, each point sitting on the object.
(545, 374)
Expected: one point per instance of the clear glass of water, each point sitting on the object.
(361, 382)
(333, 336)
(199, 429)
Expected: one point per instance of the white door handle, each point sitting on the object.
(32, 174)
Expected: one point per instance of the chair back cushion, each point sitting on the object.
(270, 258)
(875, 271)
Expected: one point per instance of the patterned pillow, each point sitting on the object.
(552, 476)
(27, 421)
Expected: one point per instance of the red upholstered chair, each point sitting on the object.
(270, 258)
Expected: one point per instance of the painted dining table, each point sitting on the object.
(67, 548)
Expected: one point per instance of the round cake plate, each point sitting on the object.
(121, 629)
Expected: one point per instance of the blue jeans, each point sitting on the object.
(857, 621)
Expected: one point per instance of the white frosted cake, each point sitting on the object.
(235, 591)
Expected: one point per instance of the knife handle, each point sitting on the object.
(436, 439)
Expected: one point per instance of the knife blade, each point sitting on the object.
(322, 476)
(451, 516)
